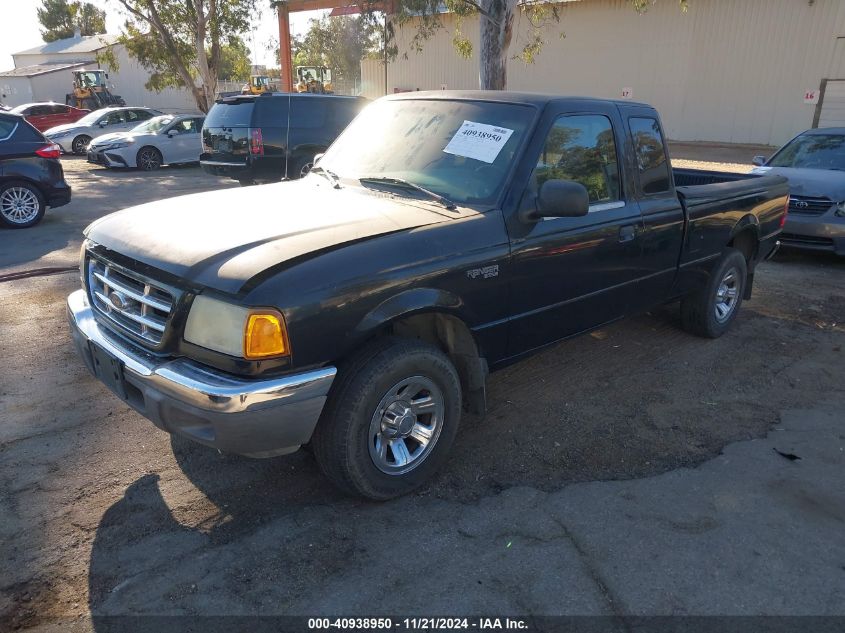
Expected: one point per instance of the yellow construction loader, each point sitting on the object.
(91, 91)
(314, 79)
(258, 84)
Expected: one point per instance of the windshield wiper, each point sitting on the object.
(401, 182)
(328, 174)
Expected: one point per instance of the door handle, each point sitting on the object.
(627, 233)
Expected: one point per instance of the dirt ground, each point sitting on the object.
(105, 514)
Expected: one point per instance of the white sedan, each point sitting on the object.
(167, 139)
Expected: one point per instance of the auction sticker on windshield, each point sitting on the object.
(479, 141)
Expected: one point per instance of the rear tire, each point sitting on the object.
(383, 400)
(710, 311)
(80, 143)
(21, 205)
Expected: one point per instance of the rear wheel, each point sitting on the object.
(390, 419)
(21, 205)
(80, 143)
(148, 159)
(711, 311)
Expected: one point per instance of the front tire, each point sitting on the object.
(79, 144)
(148, 159)
(710, 312)
(390, 419)
(21, 205)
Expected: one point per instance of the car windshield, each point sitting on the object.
(461, 150)
(154, 125)
(91, 118)
(812, 151)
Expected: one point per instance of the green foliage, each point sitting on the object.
(234, 60)
(162, 36)
(60, 18)
(339, 43)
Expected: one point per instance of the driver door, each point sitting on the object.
(572, 274)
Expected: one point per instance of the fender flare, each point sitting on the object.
(410, 302)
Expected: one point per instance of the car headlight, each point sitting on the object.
(251, 333)
(840, 210)
(59, 135)
(119, 145)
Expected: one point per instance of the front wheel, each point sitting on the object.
(149, 158)
(80, 143)
(710, 312)
(390, 419)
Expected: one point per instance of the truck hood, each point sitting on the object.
(816, 183)
(221, 239)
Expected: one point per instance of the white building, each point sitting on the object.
(738, 71)
(43, 73)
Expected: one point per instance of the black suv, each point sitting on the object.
(272, 136)
(31, 177)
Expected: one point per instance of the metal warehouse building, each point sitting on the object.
(44, 73)
(738, 71)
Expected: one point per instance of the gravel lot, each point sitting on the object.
(600, 482)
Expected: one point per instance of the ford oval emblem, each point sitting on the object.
(118, 300)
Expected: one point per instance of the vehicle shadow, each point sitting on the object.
(140, 532)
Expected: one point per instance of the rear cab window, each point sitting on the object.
(650, 152)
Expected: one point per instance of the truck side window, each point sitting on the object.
(651, 156)
(581, 148)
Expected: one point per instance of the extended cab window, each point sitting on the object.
(651, 156)
(581, 148)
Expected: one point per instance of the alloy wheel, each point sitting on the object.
(19, 205)
(726, 295)
(149, 159)
(406, 425)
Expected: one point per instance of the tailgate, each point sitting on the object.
(225, 145)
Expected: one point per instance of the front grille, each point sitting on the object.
(806, 205)
(806, 240)
(131, 304)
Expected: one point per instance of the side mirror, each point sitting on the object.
(562, 199)
(103, 123)
(317, 157)
(759, 161)
(172, 133)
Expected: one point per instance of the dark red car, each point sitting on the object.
(43, 116)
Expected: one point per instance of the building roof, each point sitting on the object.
(41, 69)
(72, 45)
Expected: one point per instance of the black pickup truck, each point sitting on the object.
(443, 235)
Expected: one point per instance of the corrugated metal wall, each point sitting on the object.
(726, 70)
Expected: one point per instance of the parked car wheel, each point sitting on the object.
(80, 143)
(301, 168)
(148, 158)
(21, 205)
(390, 419)
(710, 312)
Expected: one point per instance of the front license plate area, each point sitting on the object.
(109, 370)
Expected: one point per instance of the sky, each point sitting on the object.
(20, 29)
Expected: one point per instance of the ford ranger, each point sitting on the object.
(443, 235)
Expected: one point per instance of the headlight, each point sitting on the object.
(59, 134)
(119, 145)
(840, 210)
(251, 333)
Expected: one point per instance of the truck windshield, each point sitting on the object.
(812, 151)
(461, 150)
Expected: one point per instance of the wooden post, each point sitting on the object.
(285, 61)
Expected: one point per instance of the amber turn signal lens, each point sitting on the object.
(265, 336)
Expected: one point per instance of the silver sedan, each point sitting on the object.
(167, 139)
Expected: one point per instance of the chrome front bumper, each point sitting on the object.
(257, 418)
